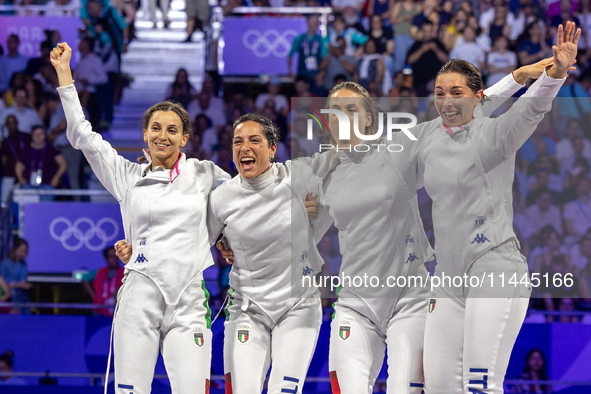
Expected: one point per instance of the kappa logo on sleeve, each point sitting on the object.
(307, 271)
(411, 257)
(243, 333)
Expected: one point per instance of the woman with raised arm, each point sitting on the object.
(467, 164)
(162, 305)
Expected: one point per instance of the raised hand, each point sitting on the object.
(60, 55)
(60, 59)
(565, 50)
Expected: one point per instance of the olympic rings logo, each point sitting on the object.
(269, 42)
(73, 230)
(244, 327)
(345, 322)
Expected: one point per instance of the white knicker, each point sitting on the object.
(252, 341)
(145, 325)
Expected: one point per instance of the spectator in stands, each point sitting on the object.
(181, 89)
(213, 109)
(40, 165)
(532, 46)
(34, 65)
(107, 25)
(453, 31)
(429, 12)
(57, 136)
(47, 77)
(426, 56)
(238, 100)
(198, 15)
(535, 369)
(336, 63)
(222, 155)
(577, 214)
(380, 8)
(567, 305)
(383, 37)
(546, 163)
(310, 49)
(209, 135)
(13, 62)
(499, 26)
(500, 61)
(372, 69)
(525, 15)
(35, 92)
(543, 213)
(106, 282)
(566, 15)
(197, 151)
(14, 271)
(539, 142)
(3, 78)
(299, 135)
(10, 150)
(273, 87)
(25, 116)
(403, 14)
(565, 147)
(6, 365)
(469, 50)
(580, 256)
(584, 16)
(573, 170)
(17, 81)
(90, 73)
(549, 246)
(573, 103)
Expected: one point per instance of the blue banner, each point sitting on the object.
(256, 46)
(64, 237)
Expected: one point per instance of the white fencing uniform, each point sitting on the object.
(468, 172)
(372, 199)
(163, 301)
(270, 317)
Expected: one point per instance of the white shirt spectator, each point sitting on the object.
(215, 111)
(538, 219)
(489, 15)
(483, 40)
(471, 52)
(209, 140)
(580, 215)
(576, 258)
(26, 117)
(280, 100)
(500, 60)
(340, 4)
(91, 69)
(564, 149)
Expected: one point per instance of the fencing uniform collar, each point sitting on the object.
(175, 171)
(262, 181)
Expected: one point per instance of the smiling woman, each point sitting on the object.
(264, 218)
(162, 305)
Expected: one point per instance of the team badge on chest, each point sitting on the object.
(243, 333)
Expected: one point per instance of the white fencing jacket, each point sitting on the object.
(266, 224)
(468, 172)
(164, 212)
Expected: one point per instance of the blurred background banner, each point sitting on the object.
(72, 234)
(31, 32)
(260, 45)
